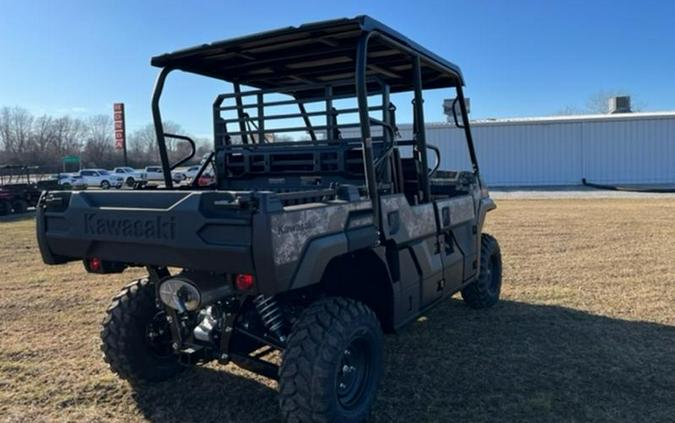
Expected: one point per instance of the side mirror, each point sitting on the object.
(453, 108)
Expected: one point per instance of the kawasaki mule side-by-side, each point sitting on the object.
(324, 227)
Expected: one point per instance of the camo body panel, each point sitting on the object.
(291, 230)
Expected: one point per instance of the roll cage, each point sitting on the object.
(325, 61)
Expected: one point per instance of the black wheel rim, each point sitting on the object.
(158, 336)
(353, 373)
(494, 275)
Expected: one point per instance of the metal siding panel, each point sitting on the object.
(610, 151)
(633, 152)
(529, 154)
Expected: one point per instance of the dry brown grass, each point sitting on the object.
(586, 332)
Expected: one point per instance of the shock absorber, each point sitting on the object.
(270, 314)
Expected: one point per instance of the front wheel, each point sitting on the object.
(105, 185)
(332, 364)
(484, 291)
(136, 337)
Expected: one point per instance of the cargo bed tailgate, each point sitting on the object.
(208, 230)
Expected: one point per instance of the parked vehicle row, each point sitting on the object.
(20, 188)
(125, 175)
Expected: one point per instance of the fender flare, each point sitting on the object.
(315, 259)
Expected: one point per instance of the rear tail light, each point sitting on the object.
(96, 265)
(244, 281)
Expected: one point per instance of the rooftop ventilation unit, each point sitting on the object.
(619, 104)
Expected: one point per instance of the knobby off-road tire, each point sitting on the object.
(126, 342)
(484, 292)
(332, 363)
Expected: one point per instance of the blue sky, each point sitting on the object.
(519, 58)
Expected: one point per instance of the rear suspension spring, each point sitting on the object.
(270, 314)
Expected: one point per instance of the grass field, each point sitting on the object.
(585, 332)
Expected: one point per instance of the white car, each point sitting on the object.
(68, 180)
(191, 171)
(155, 174)
(130, 175)
(101, 178)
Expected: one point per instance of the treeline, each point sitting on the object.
(45, 140)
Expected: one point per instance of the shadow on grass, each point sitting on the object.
(208, 395)
(515, 362)
(29, 215)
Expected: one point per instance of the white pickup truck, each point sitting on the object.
(130, 175)
(101, 178)
(155, 174)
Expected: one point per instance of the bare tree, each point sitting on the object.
(16, 125)
(68, 136)
(42, 138)
(45, 140)
(99, 145)
(142, 144)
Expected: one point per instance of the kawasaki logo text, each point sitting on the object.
(149, 228)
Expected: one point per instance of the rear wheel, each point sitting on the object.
(130, 181)
(19, 206)
(136, 337)
(105, 184)
(332, 364)
(484, 292)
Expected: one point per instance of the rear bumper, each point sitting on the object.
(167, 228)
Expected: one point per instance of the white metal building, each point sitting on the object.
(626, 148)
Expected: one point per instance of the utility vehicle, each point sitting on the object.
(313, 247)
(19, 188)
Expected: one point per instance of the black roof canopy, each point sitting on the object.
(320, 52)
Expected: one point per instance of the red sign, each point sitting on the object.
(118, 116)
